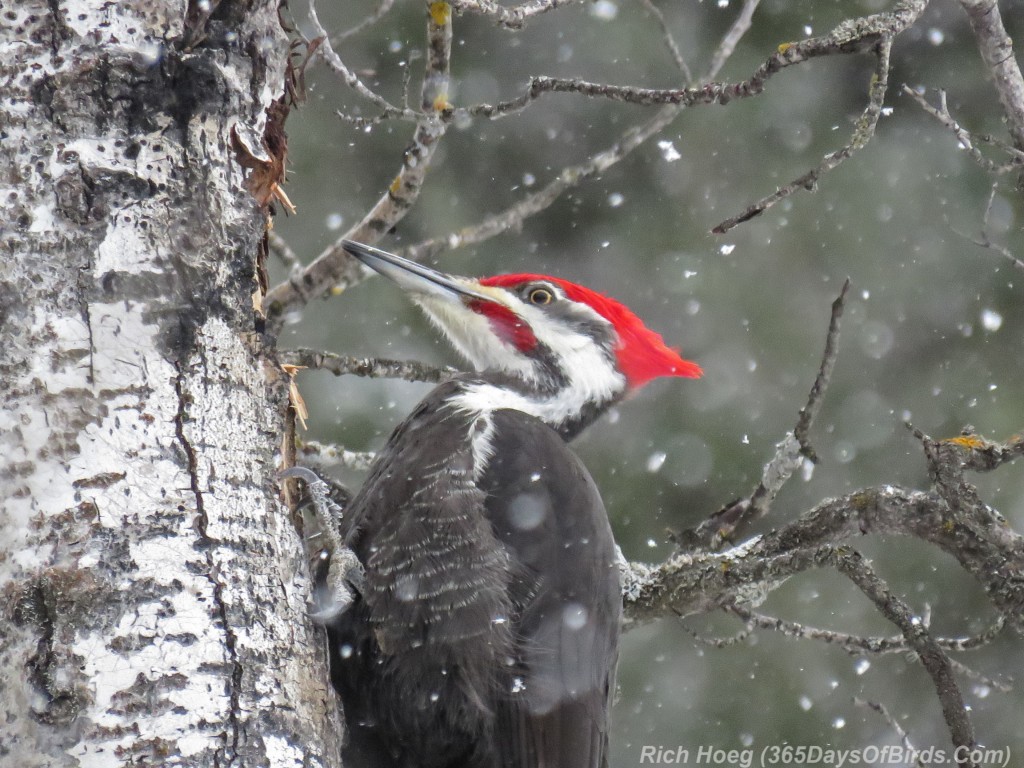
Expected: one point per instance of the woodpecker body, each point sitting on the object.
(486, 634)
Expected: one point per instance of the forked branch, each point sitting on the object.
(333, 269)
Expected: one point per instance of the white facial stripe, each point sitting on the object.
(587, 384)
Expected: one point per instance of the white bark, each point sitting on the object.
(152, 586)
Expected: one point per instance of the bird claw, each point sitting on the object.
(336, 592)
(336, 586)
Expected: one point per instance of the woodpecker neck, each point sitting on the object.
(568, 407)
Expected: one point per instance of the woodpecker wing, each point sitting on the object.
(425, 644)
(567, 601)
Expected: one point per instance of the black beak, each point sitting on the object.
(411, 276)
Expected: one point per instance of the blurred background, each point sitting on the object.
(933, 332)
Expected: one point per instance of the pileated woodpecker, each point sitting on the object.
(486, 632)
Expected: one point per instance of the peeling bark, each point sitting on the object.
(152, 586)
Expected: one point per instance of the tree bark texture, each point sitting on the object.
(152, 586)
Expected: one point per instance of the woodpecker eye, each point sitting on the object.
(540, 296)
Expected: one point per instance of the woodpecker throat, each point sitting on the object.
(485, 632)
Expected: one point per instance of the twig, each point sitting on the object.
(973, 674)
(828, 363)
(966, 139)
(858, 644)
(904, 737)
(688, 584)
(670, 41)
(373, 18)
(985, 241)
(569, 177)
(731, 39)
(976, 641)
(514, 17)
(862, 134)
(948, 459)
(326, 455)
(333, 60)
(372, 367)
(874, 32)
(280, 248)
(718, 642)
(333, 269)
(789, 455)
(933, 658)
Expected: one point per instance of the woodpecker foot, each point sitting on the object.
(337, 585)
(338, 574)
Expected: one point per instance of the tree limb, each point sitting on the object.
(372, 367)
(858, 644)
(933, 658)
(968, 140)
(996, 49)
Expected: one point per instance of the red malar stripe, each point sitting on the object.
(506, 324)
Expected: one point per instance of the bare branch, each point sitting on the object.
(369, 21)
(689, 583)
(280, 248)
(828, 362)
(325, 455)
(789, 455)
(997, 51)
(973, 674)
(977, 454)
(512, 18)
(874, 33)
(333, 269)
(372, 367)
(857, 644)
(670, 41)
(904, 737)
(731, 39)
(718, 642)
(968, 140)
(334, 62)
(862, 134)
(985, 241)
(934, 659)
(570, 177)
(992, 553)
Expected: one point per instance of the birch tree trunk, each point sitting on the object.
(152, 585)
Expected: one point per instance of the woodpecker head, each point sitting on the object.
(573, 350)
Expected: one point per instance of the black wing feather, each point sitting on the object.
(424, 645)
(545, 508)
